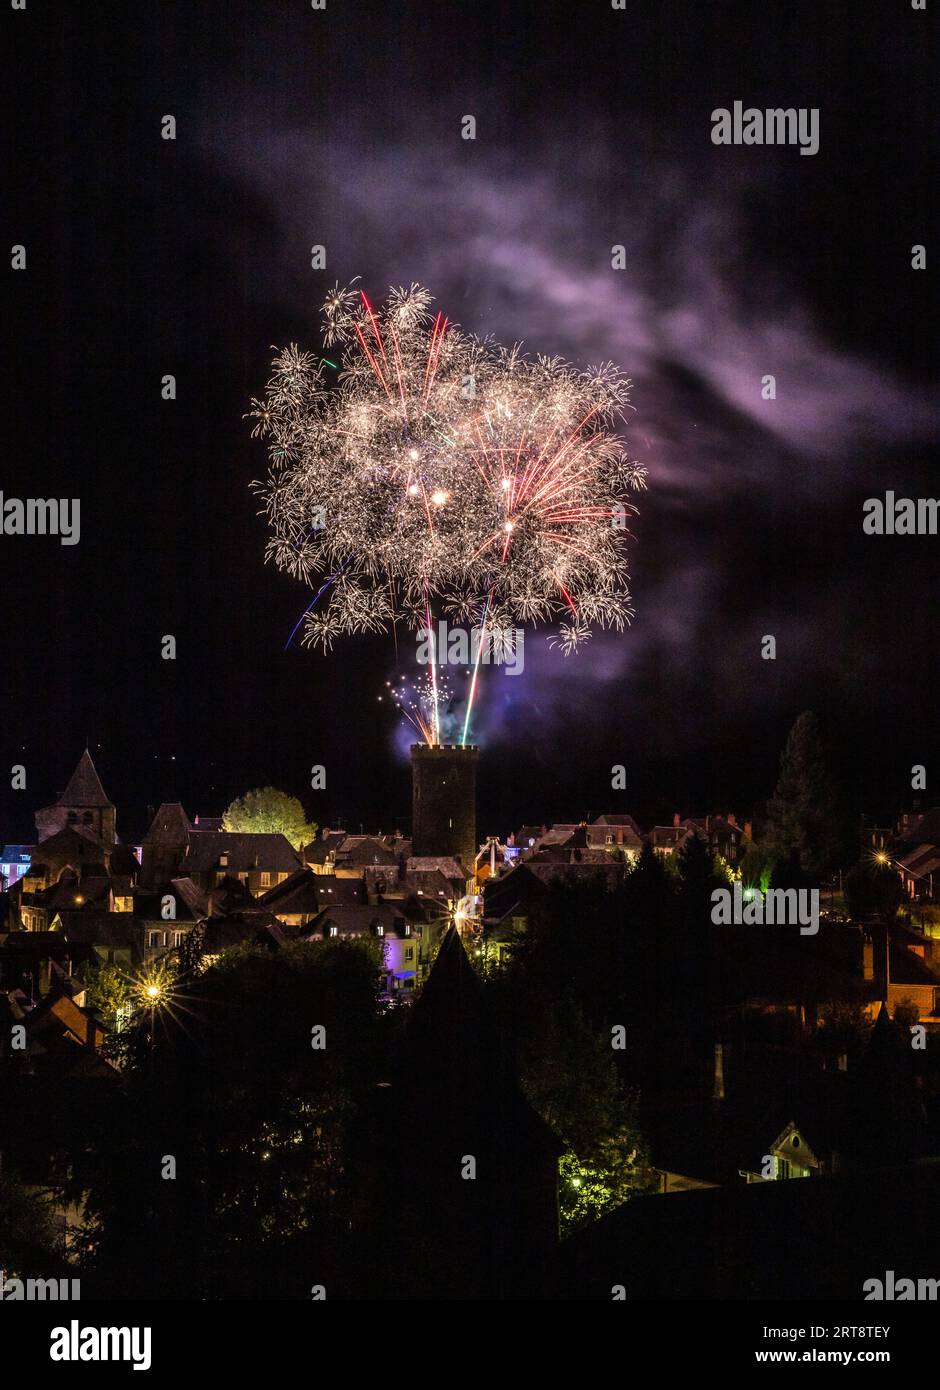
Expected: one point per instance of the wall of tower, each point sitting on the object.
(444, 802)
(98, 820)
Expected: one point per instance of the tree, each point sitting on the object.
(109, 990)
(649, 892)
(267, 810)
(30, 1242)
(568, 1072)
(698, 876)
(803, 815)
(256, 1120)
(873, 890)
(757, 865)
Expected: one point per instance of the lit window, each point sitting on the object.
(265, 880)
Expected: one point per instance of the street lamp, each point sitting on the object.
(153, 993)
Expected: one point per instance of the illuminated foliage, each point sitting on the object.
(267, 810)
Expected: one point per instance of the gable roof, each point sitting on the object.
(364, 849)
(190, 902)
(114, 929)
(296, 895)
(84, 788)
(443, 864)
(259, 927)
(627, 821)
(317, 851)
(70, 839)
(360, 919)
(170, 816)
(244, 849)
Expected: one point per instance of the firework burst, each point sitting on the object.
(444, 468)
(426, 703)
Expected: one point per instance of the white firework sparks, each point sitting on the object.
(445, 468)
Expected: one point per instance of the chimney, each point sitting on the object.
(676, 821)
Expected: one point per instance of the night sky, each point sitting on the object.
(342, 127)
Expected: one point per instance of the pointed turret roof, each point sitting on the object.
(465, 1073)
(84, 788)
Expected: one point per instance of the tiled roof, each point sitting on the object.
(618, 820)
(297, 894)
(237, 927)
(98, 928)
(429, 863)
(364, 849)
(245, 851)
(358, 919)
(84, 788)
(171, 816)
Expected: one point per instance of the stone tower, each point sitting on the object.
(444, 802)
(83, 806)
(164, 845)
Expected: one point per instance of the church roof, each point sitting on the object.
(84, 788)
